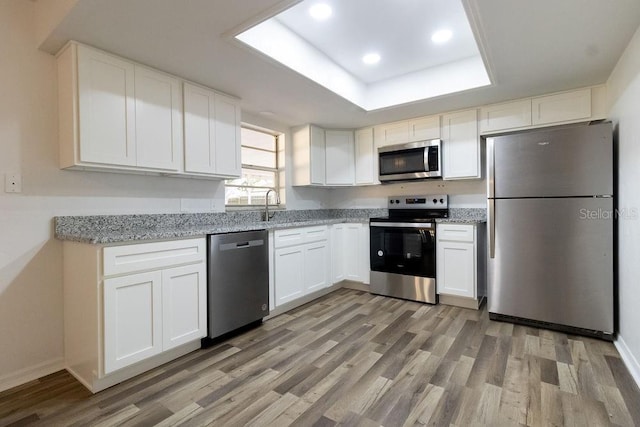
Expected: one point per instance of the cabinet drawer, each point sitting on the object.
(315, 234)
(456, 232)
(298, 236)
(288, 237)
(147, 256)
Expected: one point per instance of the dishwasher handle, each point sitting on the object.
(241, 245)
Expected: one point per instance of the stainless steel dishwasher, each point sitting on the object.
(238, 280)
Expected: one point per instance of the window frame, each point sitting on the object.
(245, 166)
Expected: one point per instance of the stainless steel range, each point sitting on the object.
(403, 247)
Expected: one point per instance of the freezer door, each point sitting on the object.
(554, 261)
(566, 161)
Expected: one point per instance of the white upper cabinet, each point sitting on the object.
(424, 128)
(461, 145)
(199, 130)
(418, 129)
(158, 119)
(117, 115)
(340, 157)
(509, 115)
(105, 87)
(392, 133)
(366, 157)
(309, 155)
(558, 108)
(128, 116)
(562, 107)
(227, 136)
(211, 133)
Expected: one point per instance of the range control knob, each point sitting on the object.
(435, 201)
(397, 201)
(391, 201)
(441, 200)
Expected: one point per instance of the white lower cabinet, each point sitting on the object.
(184, 308)
(289, 265)
(350, 252)
(132, 319)
(459, 263)
(130, 308)
(309, 259)
(302, 262)
(337, 253)
(316, 261)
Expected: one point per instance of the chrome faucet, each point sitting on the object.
(266, 203)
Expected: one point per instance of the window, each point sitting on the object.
(259, 169)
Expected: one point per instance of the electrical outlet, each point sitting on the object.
(13, 183)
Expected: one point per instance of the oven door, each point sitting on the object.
(403, 248)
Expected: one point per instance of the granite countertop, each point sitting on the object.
(107, 229)
(465, 216)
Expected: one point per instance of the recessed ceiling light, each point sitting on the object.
(320, 11)
(371, 58)
(441, 36)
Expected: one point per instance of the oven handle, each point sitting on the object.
(402, 225)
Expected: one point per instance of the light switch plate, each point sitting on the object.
(12, 183)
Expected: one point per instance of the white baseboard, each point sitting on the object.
(628, 358)
(22, 376)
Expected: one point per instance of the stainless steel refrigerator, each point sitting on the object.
(551, 228)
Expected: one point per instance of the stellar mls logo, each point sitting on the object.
(623, 213)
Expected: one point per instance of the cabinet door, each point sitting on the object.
(340, 157)
(365, 267)
(308, 155)
(461, 145)
(392, 133)
(424, 128)
(337, 253)
(158, 107)
(132, 319)
(456, 269)
(184, 305)
(563, 107)
(106, 109)
(366, 158)
(509, 115)
(316, 266)
(317, 159)
(352, 252)
(289, 276)
(227, 136)
(199, 130)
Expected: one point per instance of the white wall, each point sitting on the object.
(30, 258)
(462, 194)
(624, 92)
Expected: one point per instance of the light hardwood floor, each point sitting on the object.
(351, 358)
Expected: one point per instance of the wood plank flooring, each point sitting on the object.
(351, 358)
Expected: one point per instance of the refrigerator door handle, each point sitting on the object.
(490, 168)
(491, 218)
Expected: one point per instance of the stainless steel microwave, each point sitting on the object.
(414, 160)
